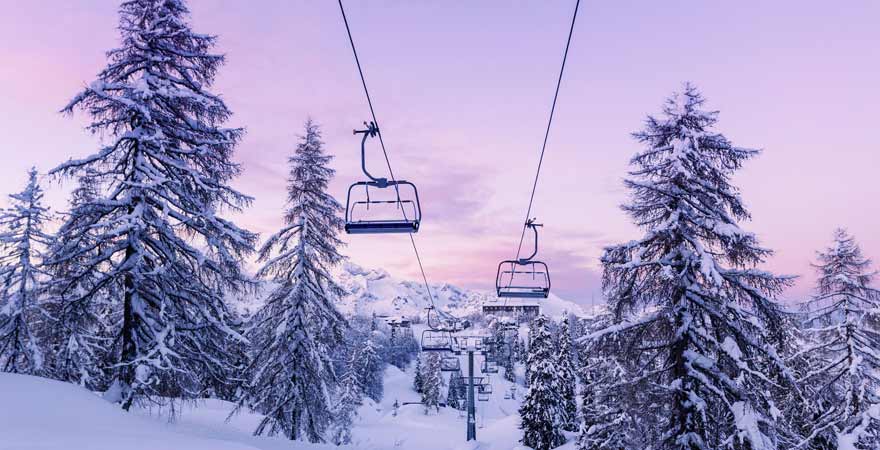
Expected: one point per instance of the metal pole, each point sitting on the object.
(472, 420)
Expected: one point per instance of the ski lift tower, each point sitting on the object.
(470, 345)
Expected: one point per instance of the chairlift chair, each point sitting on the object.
(509, 331)
(477, 380)
(450, 364)
(484, 392)
(436, 341)
(406, 332)
(464, 344)
(443, 321)
(524, 277)
(489, 366)
(392, 206)
(400, 327)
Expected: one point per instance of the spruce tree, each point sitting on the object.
(82, 332)
(418, 381)
(509, 367)
(843, 338)
(527, 350)
(699, 319)
(22, 241)
(402, 348)
(454, 397)
(602, 418)
(292, 336)
(519, 350)
(370, 368)
(432, 382)
(349, 399)
(165, 177)
(541, 413)
(567, 377)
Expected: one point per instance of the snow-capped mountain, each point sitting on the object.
(376, 291)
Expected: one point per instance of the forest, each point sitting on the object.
(141, 288)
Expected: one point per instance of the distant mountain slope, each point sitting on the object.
(374, 290)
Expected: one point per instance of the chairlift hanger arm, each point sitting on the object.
(534, 226)
(371, 131)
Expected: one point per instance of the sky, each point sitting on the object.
(462, 91)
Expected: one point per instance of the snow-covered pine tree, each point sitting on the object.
(699, 318)
(432, 382)
(843, 332)
(22, 241)
(402, 348)
(291, 373)
(509, 366)
(603, 419)
(527, 350)
(496, 329)
(567, 377)
(348, 400)
(540, 412)
(453, 395)
(418, 381)
(521, 351)
(82, 332)
(165, 179)
(370, 368)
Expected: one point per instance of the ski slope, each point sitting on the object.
(41, 414)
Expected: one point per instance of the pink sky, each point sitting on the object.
(463, 90)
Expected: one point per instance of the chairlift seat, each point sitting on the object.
(382, 227)
(361, 216)
(436, 341)
(450, 364)
(504, 292)
(522, 279)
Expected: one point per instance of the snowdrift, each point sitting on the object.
(41, 414)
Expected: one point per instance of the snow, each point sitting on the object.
(732, 349)
(41, 414)
(747, 423)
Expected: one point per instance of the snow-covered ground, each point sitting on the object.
(40, 414)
